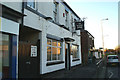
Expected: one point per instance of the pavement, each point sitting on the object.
(80, 71)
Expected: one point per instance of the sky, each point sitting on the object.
(95, 11)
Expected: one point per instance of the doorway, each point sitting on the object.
(28, 64)
(29, 53)
(67, 56)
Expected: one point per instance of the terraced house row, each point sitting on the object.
(38, 38)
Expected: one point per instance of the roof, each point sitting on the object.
(87, 32)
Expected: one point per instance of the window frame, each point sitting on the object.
(57, 57)
(77, 57)
(55, 10)
(71, 20)
(33, 3)
(66, 18)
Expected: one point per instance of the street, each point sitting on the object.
(113, 71)
(98, 71)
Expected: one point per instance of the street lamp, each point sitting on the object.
(102, 34)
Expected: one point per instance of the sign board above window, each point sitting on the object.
(79, 25)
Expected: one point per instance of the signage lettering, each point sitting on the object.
(79, 25)
(33, 51)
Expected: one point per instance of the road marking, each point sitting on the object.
(99, 62)
(111, 75)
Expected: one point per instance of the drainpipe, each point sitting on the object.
(22, 20)
(22, 13)
(22, 24)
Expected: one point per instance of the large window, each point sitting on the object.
(4, 54)
(31, 3)
(55, 11)
(53, 50)
(75, 51)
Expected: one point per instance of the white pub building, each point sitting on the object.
(37, 38)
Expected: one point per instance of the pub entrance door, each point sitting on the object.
(28, 60)
(67, 56)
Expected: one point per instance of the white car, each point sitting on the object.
(112, 60)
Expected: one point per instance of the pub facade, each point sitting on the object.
(44, 38)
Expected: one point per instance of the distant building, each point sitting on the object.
(110, 51)
(97, 53)
(87, 43)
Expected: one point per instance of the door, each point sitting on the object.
(67, 56)
(28, 61)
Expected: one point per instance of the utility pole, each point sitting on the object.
(102, 34)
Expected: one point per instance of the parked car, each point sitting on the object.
(112, 60)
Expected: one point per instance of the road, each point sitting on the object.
(96, 71)
(113, 72)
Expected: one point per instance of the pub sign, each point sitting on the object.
(79, 25)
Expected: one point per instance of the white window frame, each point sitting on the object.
(55, 11)
(30, 5)
(66, 18)
(77, 52)
(54, 47)
(71, 20)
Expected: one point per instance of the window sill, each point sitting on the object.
(31, 7)
(64, 27)
(76, 59)
(54, 63)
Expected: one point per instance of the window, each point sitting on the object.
(4, 54)
(55, 11)
(31, 3)
(53, 50)
(66, 18)
(71, 20)
(75, 51)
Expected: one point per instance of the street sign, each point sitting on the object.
(79, 25)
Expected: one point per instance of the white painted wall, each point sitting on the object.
(46, 8)
(9, 26)
(50, 28)
(77, 42)
(34, 21)
(14, 5)
(61, 11)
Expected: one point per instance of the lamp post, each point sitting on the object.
(102, 34)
